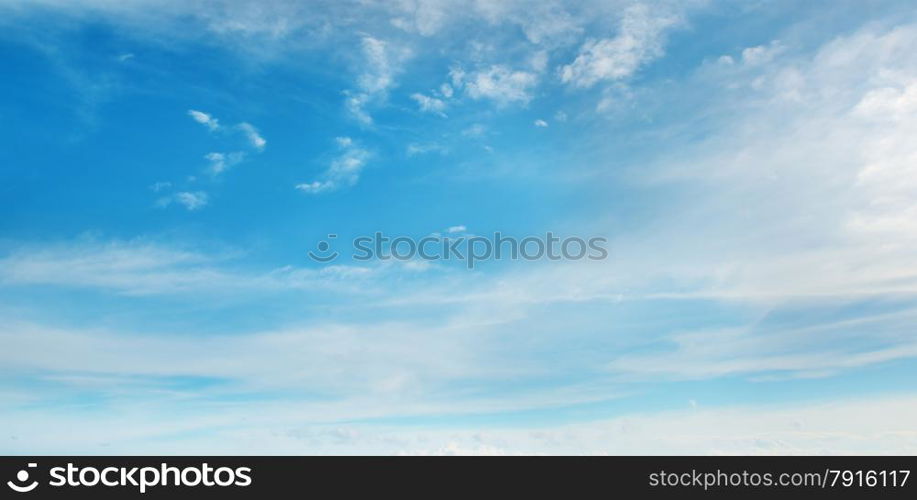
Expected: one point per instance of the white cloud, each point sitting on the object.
(220, 162)
(824, 148)
(540, 123)
(414, 148)
(191, 200)
(424, 17)
(763, 353)
(457, 76)
(761, 54)
(355, 104)
(825, 184)
(890, 102)
(253, 136)
(160, 186)
(640, 39)
(256, 361)
(501, 84)
(381, 62)
(843, 114)
(140, 268)
(344, 170)
(474, 130)
(544, 23)
(457, 229)
(316, 187)
(429, 104)
(820, 161)
(378, 76)
(863, 426)
(253, 30)
(205, 119)
(842, 427)
(539, 61)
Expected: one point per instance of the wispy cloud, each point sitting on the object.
(191, 200)
(253, 136)
(415, 149)
(500, 84)
(429, 104)
(762, 53)
(344, 170)
(139, 267)
(251, 133)
(758, 196)
(220, 162)
(640, 39)
(382, 61)
(160, 186)
(204, 119)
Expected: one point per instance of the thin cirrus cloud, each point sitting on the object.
(415, 149)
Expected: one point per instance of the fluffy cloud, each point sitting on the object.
(640, 39)
(220, 162)
(762, 54)
(429, 104)
(897, 102)
(381, 62)
(190, 200)
(500, 84)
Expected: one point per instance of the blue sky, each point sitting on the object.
(167, 166)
